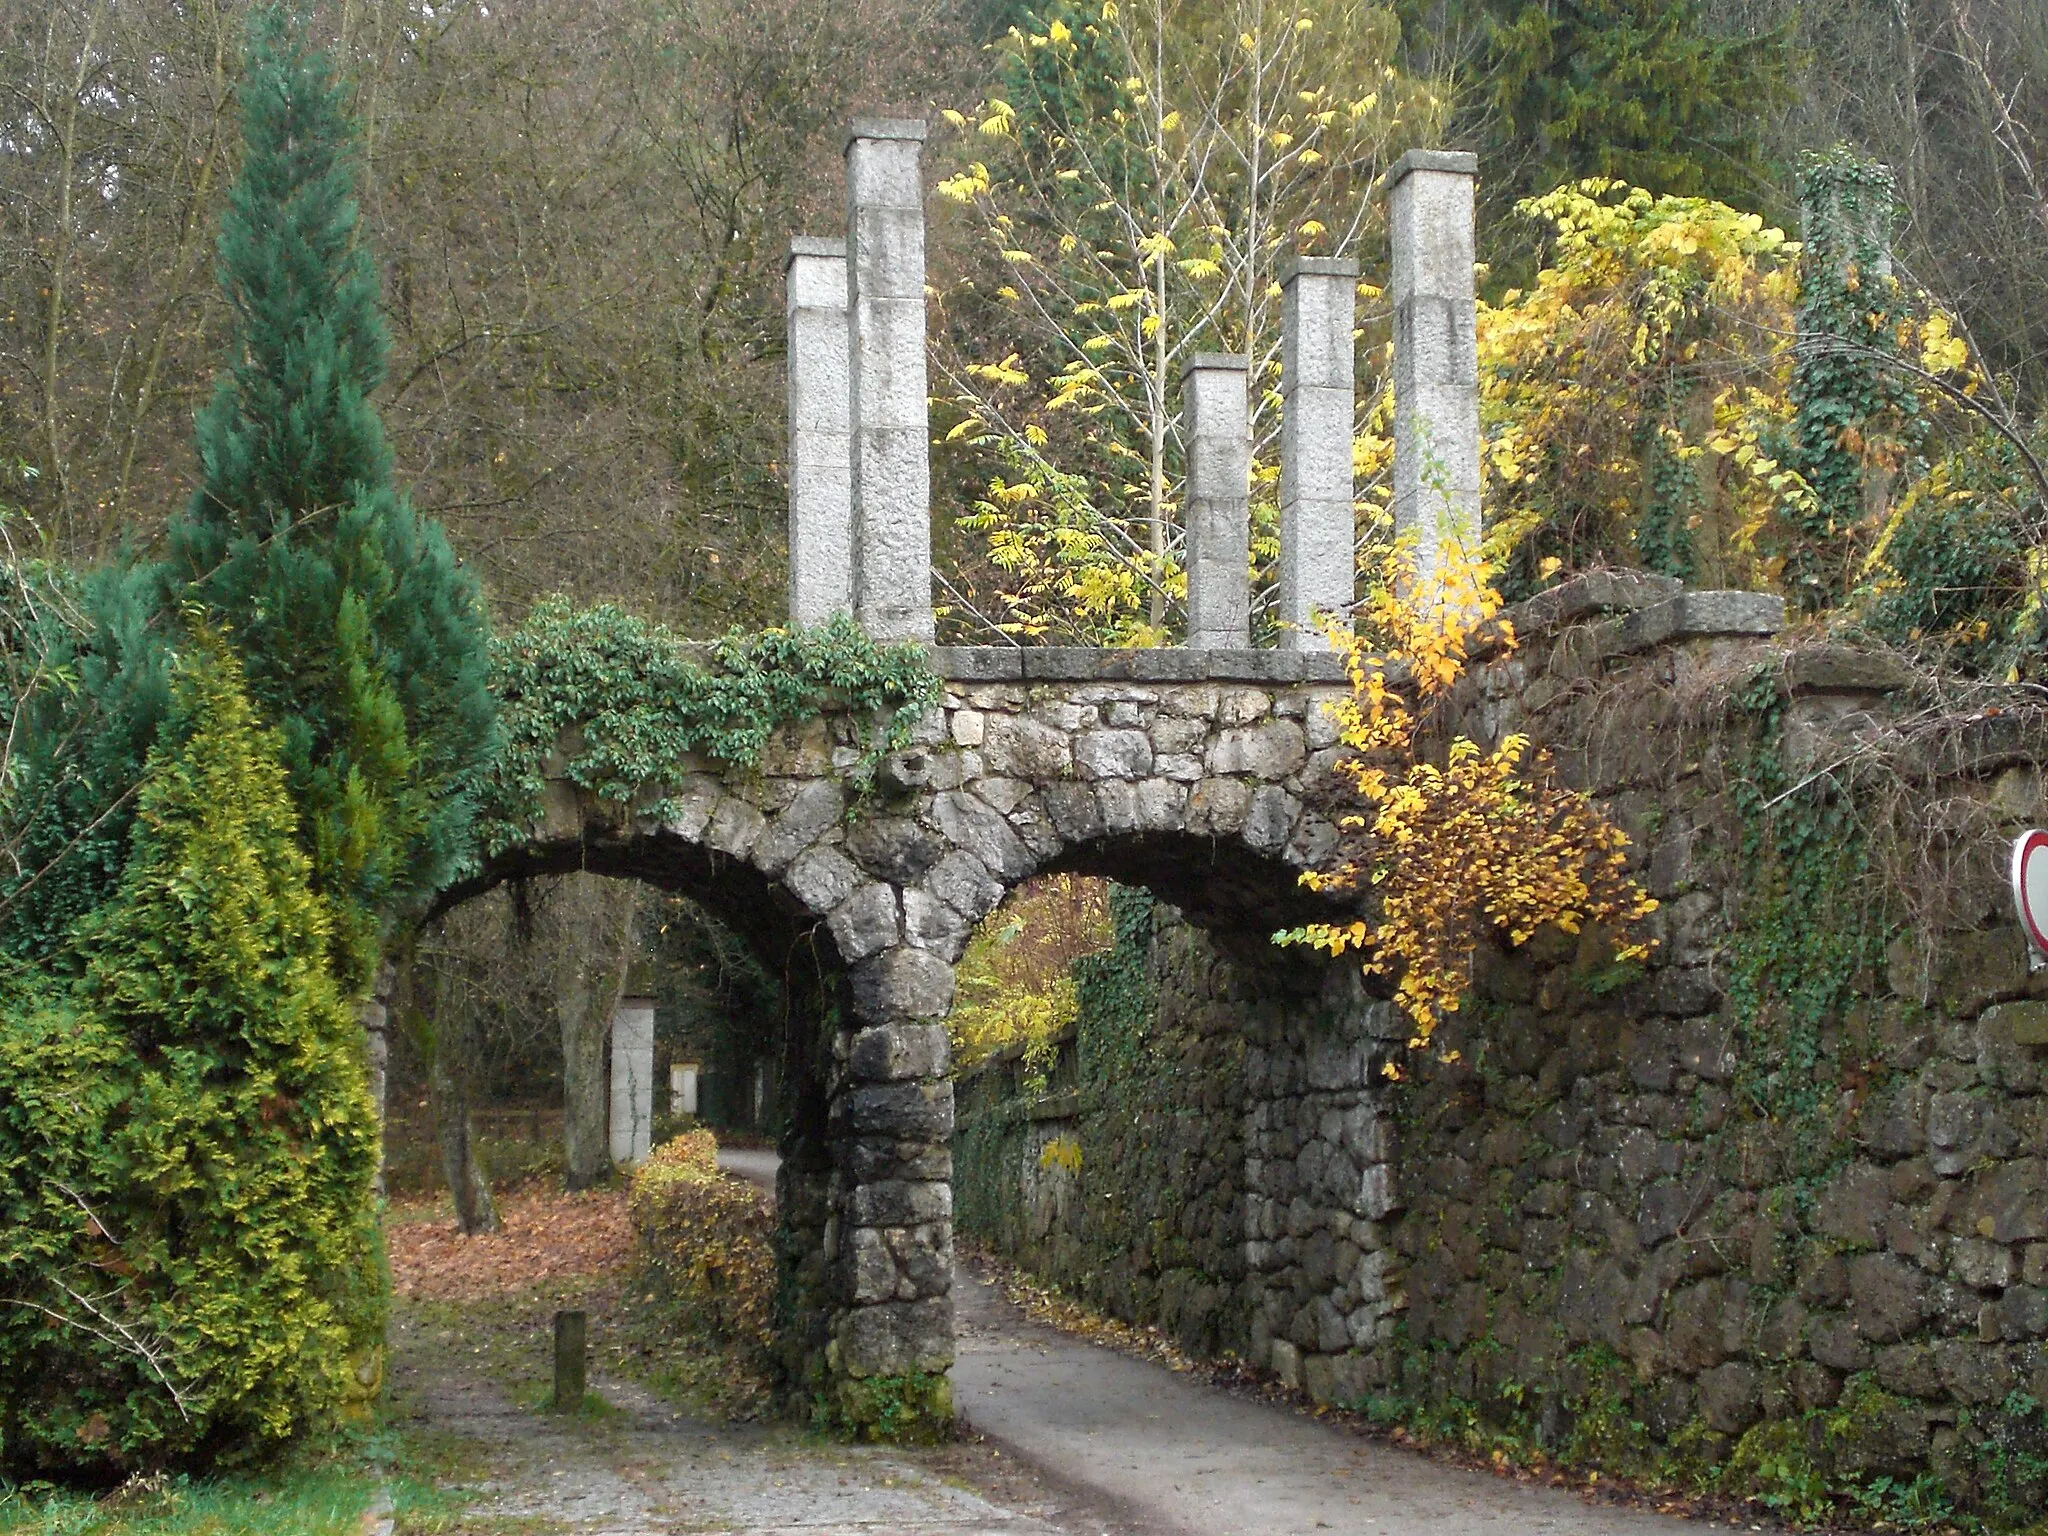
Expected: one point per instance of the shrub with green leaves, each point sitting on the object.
(189, 1261)
(705, 1242)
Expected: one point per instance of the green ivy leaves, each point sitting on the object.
(626, 700)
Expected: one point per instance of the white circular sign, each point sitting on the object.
(2030, 885)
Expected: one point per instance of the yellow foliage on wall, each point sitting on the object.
(1486, 842)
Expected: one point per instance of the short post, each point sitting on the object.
(570, 1382)
(1217, 428)
(1317, 532)
(892, 518)
(1436, 356)
(632, 1080)
(820, 432)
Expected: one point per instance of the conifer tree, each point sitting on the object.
(362, 639)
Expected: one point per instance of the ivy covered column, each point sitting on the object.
(891, 1237)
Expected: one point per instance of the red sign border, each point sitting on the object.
(2023, 845)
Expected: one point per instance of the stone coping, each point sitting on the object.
(1166, 664)
(1641, 611)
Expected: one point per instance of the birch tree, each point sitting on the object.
(1135, 179)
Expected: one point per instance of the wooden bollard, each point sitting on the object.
(569, 1343)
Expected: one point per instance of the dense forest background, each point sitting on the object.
(579, 210)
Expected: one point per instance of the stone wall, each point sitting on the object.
(1771, 1208)
(1117, 1170)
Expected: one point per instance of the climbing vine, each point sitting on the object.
(638, 699)
(1810, 930)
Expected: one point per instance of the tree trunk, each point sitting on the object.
(451, 1090)
(591, 925)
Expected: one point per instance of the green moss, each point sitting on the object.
(915, 1408)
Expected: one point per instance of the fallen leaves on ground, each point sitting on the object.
(542, 1236)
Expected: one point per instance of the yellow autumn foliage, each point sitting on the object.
(704, 1241)
(1451, 854)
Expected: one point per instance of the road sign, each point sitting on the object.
(2030, 887)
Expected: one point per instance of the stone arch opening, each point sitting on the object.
(796, 948)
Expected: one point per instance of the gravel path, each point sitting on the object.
(649, 1470)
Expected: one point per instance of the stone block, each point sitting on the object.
(866, 922)
(902, 983)
(928, 923)
(1270, 821)
(1908, 1370)
(888, 1053)
(1731, 1397)
(1286, 1360)
(1073, 811)
(2020, 1314)
(1832, 1338)
(963, 883)
(1026, 748)
(1269, 751)
(1845, 669)
(976, 826)
(1218, 807)
(1974, 1372)
(897, 1338)
(978, 663)
(2007, 1203)
(735, 826)
(815, 809)
(900, 1203)
(1113, 754)
(1695, 615)
(901, 1111)
(822, 878)
(1888, 1297)
(1981, 1265)
(1853, 1205)
(893, 848)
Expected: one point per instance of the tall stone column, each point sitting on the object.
(820, 432)
(1436, 355)
(1316, 386)
(892, 1200)
(1217, 429)
(632, 1105)
(892, 520)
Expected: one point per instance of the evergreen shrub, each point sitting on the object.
(189, 1259)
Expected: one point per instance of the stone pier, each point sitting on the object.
(1218, 443)
(1317, 535)
(820, 432)
(892, 543)
(1436, 355)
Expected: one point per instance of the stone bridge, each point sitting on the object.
(1202, 772)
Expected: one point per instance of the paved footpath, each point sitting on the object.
(1170, 1453)
(1148, 1450)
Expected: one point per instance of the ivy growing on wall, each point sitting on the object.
(1856, 415)
(626, 700)
(1811, 931)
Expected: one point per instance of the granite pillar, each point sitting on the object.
(1217, 439)
(892, 544)
(1317, 535)
(1436, 356)
(820, 432)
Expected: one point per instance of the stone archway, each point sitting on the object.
(1200, 781)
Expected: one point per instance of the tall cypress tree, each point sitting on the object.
(361, 637)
